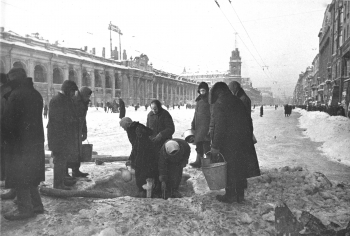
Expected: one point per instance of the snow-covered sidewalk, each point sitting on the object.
(333, 131)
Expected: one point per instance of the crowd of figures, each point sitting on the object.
(222, 126)
(331, 110)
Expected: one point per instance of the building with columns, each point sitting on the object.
(135, 81)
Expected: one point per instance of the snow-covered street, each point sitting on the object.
(294, 141)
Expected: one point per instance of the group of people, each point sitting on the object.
(287, 110)
(22, 139)
(221, 124)
(155, 154)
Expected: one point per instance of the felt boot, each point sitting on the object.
(197, 163)
(228, 197)
(77, 173)
(25, 207)
(9, 195)
(59, 172)
(38, 206)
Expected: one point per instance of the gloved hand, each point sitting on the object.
(214, 153)
(83, 136)
(157, 138)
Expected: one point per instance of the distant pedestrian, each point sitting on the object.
(45, 111)
(121, 108)
(22, 130)
(261, 111)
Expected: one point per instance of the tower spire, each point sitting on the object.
(236, 40)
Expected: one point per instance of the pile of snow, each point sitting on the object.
(333, 131)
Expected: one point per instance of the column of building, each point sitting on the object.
(103, 79)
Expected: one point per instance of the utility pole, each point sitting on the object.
(120, 45)
(110, 36)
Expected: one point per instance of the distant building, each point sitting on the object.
(267, 95)
(233, 74)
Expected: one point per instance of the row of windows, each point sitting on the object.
(40, 75)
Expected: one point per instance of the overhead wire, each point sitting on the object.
(242, 39)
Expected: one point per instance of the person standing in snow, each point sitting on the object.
(121, 108)
(173, 157)
(143, 158)
(81, 102)
(261, 111)
(45, 111)
(22, 130)
(63, 132)
(161, 123)
(231, 135)
(238, 91)
(200, 124)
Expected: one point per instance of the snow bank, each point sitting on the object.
(333, 131)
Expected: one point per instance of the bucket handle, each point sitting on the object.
(220, 155)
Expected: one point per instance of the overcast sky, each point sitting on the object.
(195, 34)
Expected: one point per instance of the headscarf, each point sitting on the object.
(125, 122)
(171, 147)
(67, 86)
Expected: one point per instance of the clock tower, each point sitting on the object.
(235, 63)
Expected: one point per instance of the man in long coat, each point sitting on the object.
(200, 123)
(231, 135)
(143, 158)
(81, 102)
(161, 123)
(23, 133)
(63, 132)
(121, 108)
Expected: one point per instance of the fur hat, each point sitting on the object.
(172, 147)
(17, 73)
(203, 85)
(68, 85)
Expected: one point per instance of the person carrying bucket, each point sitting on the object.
(231, 136)
(173, 157)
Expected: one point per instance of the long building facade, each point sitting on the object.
(135, 81)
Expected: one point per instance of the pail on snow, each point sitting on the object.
(86, 153)
(215, 174)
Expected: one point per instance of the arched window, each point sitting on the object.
(86, 78)
(98, 82)
(39, 74)
(108, 79)
(57, 76)
(118, 81)
(73, 76)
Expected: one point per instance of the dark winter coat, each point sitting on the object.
(23, 133)
(121, 109)
(261, 110)
(81, 108)
(170, 166)
(232, 135)
(63, 127)
(162, 123)
(143, 157)
(201, 119)
(246, 101)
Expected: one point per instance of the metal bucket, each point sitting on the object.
(215, 174)
(189, 135)
(86, 152)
